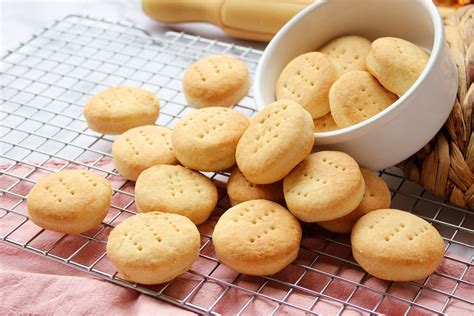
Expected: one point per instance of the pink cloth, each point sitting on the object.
(30, 284)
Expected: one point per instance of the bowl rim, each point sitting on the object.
(436, 50)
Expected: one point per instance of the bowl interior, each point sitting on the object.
(329, 19)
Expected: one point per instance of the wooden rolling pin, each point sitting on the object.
(248, 19)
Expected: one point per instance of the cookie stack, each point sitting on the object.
(351, 79)
(275, 181)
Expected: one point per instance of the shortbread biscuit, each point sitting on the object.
(278, 138)
(306, 80)
(376, 196)
(175, 189)
(396, 63)
(117, 109)
(206, 139)
(153, 248)
(325, 186)
(70, 202)
(219, 80)
(257, 237)
(239, 189)
(356, 96)
(396, 245)
(325, 124)
(141, 148)
(347, 53)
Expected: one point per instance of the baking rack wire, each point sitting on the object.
(44, 83)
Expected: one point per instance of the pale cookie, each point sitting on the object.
(239, 189)
(347, 53)
(70, 202)
(153, 248)
(396, 63)
(175, 189)
(206, 139)
(141, 148)
(396, 245)
(306, 80)
(219, 80)
(376, 196)
(278, 138)
(325, 186)
(325, 124)
(356, 96)
(257, 237)
(117, 109)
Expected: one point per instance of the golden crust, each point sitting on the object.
(306, 80)
(219, 80)
(396, 63)
(154, 247)
(141, 148)
(325, 124)
(117, 109)
(325, 186)
(239, 189)
(357, 96)
(396, 245)
(278, 138)
(175, 189)
(206, 139)
(71, 202)
(257, 237)
(376, 196)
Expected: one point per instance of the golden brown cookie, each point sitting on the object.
(396, 245)
(257, 237)
(278, 138)
(175, 189)
(325, 186)
(70, 202)
(219, 80)
(356, 96)
(376, 196)
(140, 148)
(396, 63)
(239, 189)
(118, 109)
(206, 139)
(325, 124)
(347, 53)
(154, 247)
(306, 80)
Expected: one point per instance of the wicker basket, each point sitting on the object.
(445, 165)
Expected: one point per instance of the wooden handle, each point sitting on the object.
(248, 19)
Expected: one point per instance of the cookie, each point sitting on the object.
(154, 247)
(376, 196)
(257, 237)
(278, 138)
(356, 96)
(396, 63)
(325, 124)
(70, 202)
(141, 148)
(347, 53)
(306, 80)
(118, 109)
(219, 80)
(206, 139)
(239, 189)
(175, 189)
(397, 246)
(325, 186)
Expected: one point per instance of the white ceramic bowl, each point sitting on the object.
(407, 125)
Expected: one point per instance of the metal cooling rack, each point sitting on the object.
(44, 85)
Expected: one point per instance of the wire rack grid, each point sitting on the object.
(44, 85)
